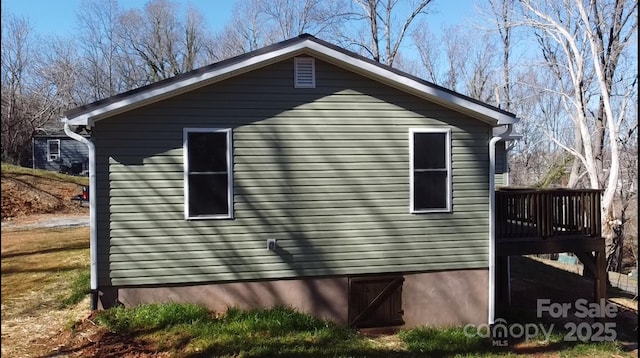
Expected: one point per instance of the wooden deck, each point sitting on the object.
(545, 221)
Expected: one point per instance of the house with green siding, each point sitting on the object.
(300, 174)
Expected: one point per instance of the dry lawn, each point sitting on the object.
(38, 267)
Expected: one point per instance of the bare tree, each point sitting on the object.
(194, 41)
(101, 50)
(160, 41)
(455, 56)
(59, 72)
(583, 47)
(535, 158)
(258, 23)
(248, 30)
(385, 23)
(502, 11)
(291, 18)
(626, 228)
(429, 50)
(461, 59)
(26, 101)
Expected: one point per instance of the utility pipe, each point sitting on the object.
(93, 222)
(506, 135)
(492, 229)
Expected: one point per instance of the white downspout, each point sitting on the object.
(492, 213)
(93, 237)
(492, 229)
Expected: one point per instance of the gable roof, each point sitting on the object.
(302, 45)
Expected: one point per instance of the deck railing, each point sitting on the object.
(547, 213)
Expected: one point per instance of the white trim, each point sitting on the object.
(49, 154)
(506, 135)
(308, 47)
(492, 229)
(304, 64)
(447, 133)
(93, 211)
(229, 154)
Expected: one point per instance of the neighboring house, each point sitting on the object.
(299, 174)
(60, 153)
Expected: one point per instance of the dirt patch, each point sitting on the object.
(24, 195)
(53, 333)
(87, 339)
(32, 334)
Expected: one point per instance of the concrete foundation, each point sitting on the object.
(432, 298)
(446, 298)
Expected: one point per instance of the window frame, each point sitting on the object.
(49, 153)
(448, 159)
(186, 172)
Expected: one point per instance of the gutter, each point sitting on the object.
(93, 237)
(506, 135)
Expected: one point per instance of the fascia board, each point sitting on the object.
(406, 84)
(307, 46)
(188, 84)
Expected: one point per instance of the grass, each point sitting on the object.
(192, 330)
(186, 330)
(444, 341)
(45, 174)
(80, 287)
(152, 317)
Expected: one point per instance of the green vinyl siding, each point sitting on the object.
(323, 170)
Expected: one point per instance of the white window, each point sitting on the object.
(430, 157)
(305, 72)
(53, 150)
(208, 173)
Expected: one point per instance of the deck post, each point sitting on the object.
(601, 278)
(594, 268)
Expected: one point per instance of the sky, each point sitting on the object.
(58, 17)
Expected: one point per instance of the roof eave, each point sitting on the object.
(307, 45)
(415, 87)
(162, 91)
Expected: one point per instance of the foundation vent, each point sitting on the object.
(305, 72)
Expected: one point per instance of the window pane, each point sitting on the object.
(54, 147)
(430, 191)
(429, 150)
(208, 194)
(207, 152)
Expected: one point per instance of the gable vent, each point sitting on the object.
(305, 72)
